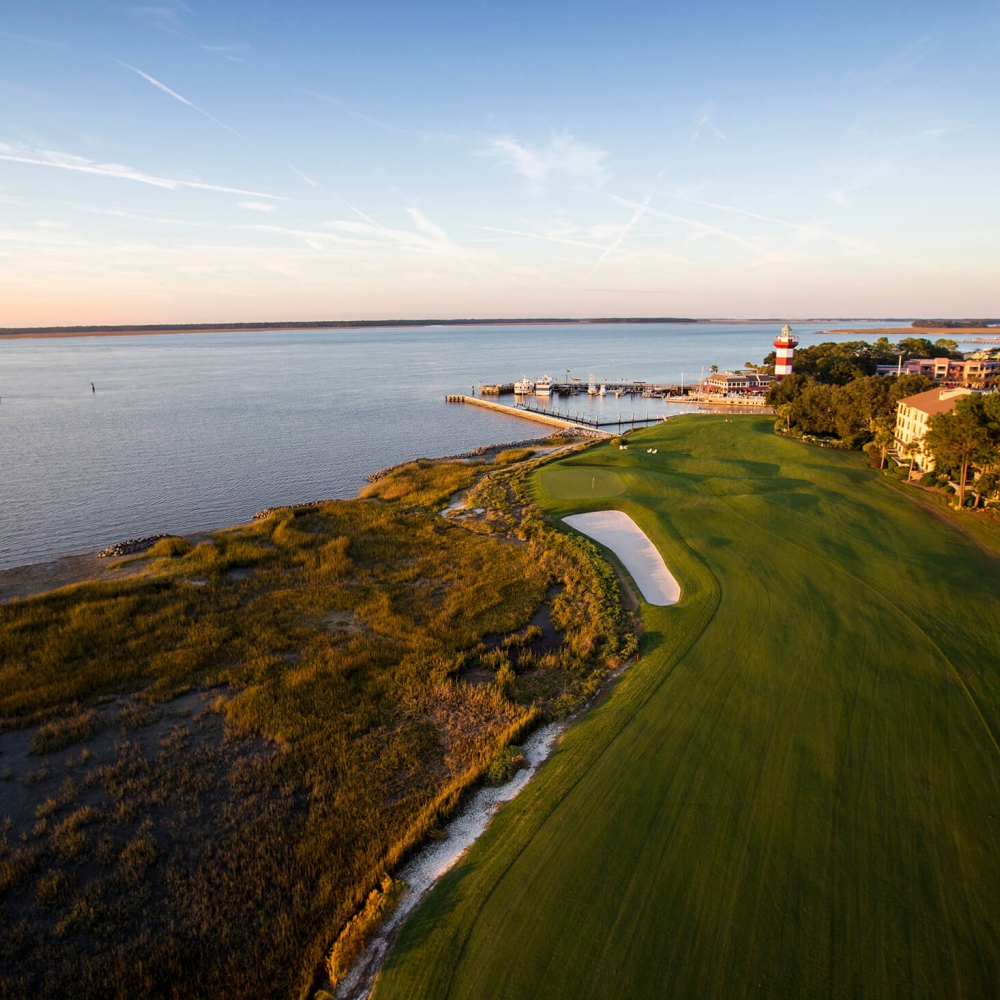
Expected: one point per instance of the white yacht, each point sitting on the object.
(592, 386)
(603, 391)
(543, 386)
(524, 387)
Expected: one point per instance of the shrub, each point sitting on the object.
(362, 927)
(170, 548)
(503, 767)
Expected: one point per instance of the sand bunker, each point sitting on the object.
(637, 553)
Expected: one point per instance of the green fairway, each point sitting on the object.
(561, 482)
(794, 793)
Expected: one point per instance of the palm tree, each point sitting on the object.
(883, 439)
(910, 450)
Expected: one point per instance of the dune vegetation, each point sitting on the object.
(794, 792)
(210, 768)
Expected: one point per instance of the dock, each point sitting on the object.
(564, 420)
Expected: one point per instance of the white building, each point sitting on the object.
(913, 415)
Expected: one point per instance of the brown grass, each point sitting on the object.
(232, 863)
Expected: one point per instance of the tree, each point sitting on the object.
(715, 368)
(784, 412)
(883, 439)
(960, 438)
(910, 450)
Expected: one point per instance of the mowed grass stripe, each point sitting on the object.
(799, 797)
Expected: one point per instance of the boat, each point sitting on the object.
(543, 386)
(524, 387)
(619, 393)
(603, 391)
(592, 386)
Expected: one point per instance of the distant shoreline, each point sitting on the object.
(16, 333)
(949, 332)
(361, 324)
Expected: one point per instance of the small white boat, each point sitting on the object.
(619, 393)
(592, 386)
(524, 387)
(543, 387)
(603, 391)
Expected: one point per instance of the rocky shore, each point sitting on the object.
(130, 546)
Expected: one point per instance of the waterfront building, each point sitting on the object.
(913, 416)
(740, 383)
(971, 373)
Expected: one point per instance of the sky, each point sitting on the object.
(216, 161)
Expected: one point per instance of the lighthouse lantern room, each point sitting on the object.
(784, 346)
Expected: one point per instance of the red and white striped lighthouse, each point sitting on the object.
(784, 346)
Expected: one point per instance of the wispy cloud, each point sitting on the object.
(80, 164)
(176, 96)
(368, 235)
(230, 52)
(164, 16)
(521, 234)
(257, 206)
(313, 239)
(348, 110)
(308, 180)
(863, 174)
(891, 68)
(430, 238)
(121, 213)
(564, 155)
(31, 40)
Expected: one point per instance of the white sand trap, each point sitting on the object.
(616, 530)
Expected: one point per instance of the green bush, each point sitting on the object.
(504, 765)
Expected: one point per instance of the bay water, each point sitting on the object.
(190, 432)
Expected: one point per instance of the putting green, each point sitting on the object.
(580, 483)
(794, 793)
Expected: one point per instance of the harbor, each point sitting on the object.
(591, 406)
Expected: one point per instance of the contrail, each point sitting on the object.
(639, 213)
(176, 96)
(308, 180)
(84, 166)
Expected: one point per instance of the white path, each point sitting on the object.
(616, 530)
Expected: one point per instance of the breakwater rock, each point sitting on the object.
(131, 546)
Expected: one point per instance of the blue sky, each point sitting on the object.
(176, 162)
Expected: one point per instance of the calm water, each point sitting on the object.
(196, 431)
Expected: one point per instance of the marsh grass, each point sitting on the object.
(512, 455)
(227, 852)
(425, 482)
(65, 732)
